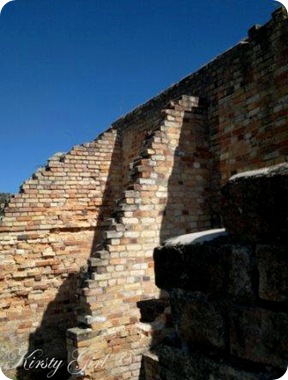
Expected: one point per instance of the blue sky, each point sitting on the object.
(68, 68)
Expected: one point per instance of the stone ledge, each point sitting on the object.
(255, 204)
(211, 267)
(78, 334)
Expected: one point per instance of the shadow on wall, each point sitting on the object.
(113, 191)
(48, 342)
(47, 345)
(188, 189)
(187, 209)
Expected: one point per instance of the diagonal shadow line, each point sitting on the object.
(60, 315)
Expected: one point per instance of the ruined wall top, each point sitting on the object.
(197, 83)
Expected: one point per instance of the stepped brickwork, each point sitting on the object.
(76, 243)
(121, 273)
(47, 235)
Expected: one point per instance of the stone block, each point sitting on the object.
(255, 204)
(242, 273)
(272, 263)
(199, 322)
(259, 335)
(169, 363)
(197, 267)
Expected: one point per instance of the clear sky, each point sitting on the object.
(68, 68)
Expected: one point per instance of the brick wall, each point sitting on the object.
(121, 273)
(47, 234)
(77, 241)
(4, 199)
(246, 92)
